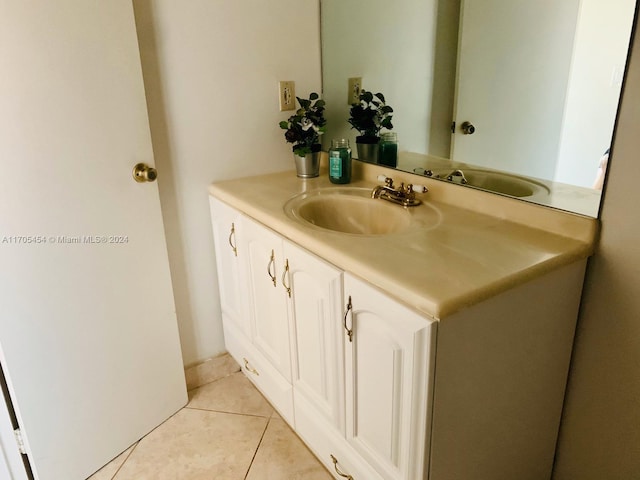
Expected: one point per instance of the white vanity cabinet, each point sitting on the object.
(389, 360)
(285, 321)
(280, 306)
(227, 227)
(358, 376)
(317, 361)
(265, 268)
(254, 303)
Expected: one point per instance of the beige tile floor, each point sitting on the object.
(227, 431)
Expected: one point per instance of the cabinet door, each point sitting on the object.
(227, 226)
(268, 305)
(389, 377)
(315, 309)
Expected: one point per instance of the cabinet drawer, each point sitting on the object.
(324, 441)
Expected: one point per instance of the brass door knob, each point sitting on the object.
(144, 173)
(467, 128)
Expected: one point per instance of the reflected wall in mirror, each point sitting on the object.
(540, 82)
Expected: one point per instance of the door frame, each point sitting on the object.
(14, 465)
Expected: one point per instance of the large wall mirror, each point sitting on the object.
(539, 81)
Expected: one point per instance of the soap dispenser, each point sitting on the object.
(340, 161)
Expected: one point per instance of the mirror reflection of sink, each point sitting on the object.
(497, 182)
(351, 210)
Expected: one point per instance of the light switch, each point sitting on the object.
(287, 95)
(355, 86)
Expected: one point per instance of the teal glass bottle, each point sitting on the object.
(340, 161)
(388, 149)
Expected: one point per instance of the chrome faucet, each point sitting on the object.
(405, 196)
(457, 173)
(426, 173)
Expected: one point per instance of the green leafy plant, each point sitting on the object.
(370, 116)
(305, 127)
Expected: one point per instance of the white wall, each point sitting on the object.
(211, 70)
(599, 57)
(600, 430)
(361, 38)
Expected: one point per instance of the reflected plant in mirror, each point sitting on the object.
(538, 81)
(368, 117)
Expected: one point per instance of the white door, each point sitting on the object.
(88, 333)
(389, 365)
(513, 69)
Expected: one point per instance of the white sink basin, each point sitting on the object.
(351, 210)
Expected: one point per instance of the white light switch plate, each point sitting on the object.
(287, 94)
(355, 86)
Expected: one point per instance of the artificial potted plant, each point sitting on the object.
(303, 130)
(368, 117)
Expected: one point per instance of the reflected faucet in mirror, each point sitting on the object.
(457, 173)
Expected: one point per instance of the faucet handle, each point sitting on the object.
(388, 181)
(418, 188)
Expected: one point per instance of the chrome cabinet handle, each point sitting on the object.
(248, 368)
(344, 321)
(285, 274)
(232, 235)
(272, 262)
(335, 466)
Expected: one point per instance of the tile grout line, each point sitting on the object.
(125, 460)
(229, 413)
(140, 440)
(257, 448)
(213, 381)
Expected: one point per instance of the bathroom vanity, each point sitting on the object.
(422, 342)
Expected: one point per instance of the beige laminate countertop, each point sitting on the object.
(468, 257)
